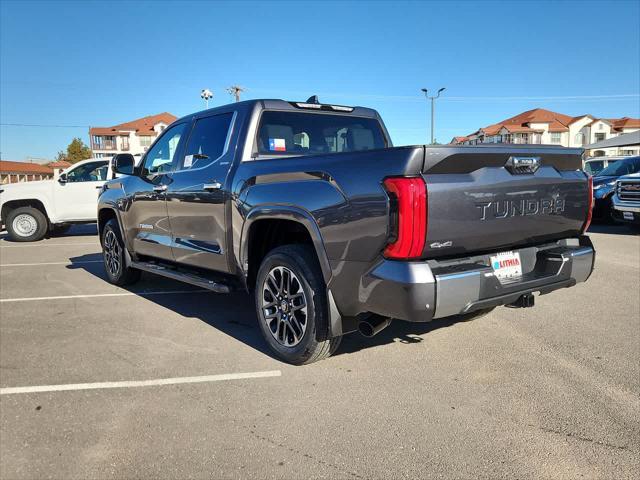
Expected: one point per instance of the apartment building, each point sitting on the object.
(540, 126)
(133, 137)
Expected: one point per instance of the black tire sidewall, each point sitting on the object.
(308, 276)
(38, 216)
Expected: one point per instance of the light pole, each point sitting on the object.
(206, 94)
(432, 107)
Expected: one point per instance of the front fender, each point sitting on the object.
(45, 200)
(284, 212)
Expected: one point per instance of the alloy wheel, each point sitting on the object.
(112, 253)
(284, 306)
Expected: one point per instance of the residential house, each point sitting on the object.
(540, 126)
(14, 172)
(133, 137)
(58, 166)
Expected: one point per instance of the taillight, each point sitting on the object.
(409, 199)
(587, 222)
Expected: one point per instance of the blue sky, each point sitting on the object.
(101, 63)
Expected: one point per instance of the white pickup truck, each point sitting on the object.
(31, 210)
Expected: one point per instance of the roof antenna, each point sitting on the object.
(313, 99)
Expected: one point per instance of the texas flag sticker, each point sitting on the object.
(277, 144)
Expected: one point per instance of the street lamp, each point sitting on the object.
(432, 107)
(206, 94)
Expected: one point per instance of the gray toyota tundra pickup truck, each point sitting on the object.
(335, 230)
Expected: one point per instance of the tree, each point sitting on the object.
(76, 151)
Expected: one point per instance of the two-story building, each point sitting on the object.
(133, 137)
(540, 126)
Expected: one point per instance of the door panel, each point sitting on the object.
(196, 197)
(146, 219)
(77, 198)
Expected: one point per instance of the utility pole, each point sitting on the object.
(433, 99)
(235, 91)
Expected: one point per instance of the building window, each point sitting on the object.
(601, 126)
(98, 155)
(579, 139)
(97, 140)
(125, 143)
(146, 141)
(600, 136)
(525, 138)
(556, 137)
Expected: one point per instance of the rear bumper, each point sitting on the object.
(422, 291)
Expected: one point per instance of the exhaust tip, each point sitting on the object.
(366, 329)
(373, 325)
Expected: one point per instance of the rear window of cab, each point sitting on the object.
(305, 133)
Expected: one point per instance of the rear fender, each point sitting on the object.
(282, 212)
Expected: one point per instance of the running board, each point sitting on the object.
(183, 276)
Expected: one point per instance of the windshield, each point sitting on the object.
(622, 167)
(593, 168)
(298, 133)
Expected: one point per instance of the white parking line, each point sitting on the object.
(96, 244)
(142, 383)
(48, 263)
(96, 295)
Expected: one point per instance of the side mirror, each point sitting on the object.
(124, 163)
(62, 179)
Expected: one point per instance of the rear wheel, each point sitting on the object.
(113, 247)
(26, 224)
(291, 304)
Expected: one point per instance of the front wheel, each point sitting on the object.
(26, 224)
(115, 265)
(291, 303)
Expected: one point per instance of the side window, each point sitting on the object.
(160, 157)
(89, 172)
(206, 142)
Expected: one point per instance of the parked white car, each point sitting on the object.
(31, 210)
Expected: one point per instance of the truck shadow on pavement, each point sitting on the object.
(234, 313)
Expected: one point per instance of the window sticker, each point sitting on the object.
(188, 161)
(277, 145)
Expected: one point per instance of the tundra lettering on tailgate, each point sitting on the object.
(519, 208)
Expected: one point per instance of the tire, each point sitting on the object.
(290, 277)
(113, 255)
(26, 224)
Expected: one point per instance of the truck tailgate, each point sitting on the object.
(479, 202)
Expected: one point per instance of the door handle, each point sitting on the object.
(212, 186)
(159, 188)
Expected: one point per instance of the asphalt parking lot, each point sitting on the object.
(549, 392)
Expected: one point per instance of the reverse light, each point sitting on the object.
(587, 222)
(409, 200)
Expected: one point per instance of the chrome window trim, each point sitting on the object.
(227, 143)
